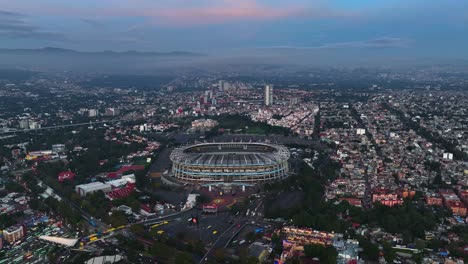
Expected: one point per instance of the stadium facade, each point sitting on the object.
(230, 163)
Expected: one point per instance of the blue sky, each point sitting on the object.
(413, 27)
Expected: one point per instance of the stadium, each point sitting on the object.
(233, 163)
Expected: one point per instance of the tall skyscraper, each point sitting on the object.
(221, 85)
(268, 95)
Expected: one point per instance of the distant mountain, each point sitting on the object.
(131, 53)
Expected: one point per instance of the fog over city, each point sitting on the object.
(318, 33)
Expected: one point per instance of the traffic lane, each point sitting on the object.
(207, 229)
(224, 238)
(211, 226)
(155, 219)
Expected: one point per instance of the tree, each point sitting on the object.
(250, 236)
(326, 254)
(135, 205)
(370, 251)
(36, 204)
(198, 247)
(183, 258)
(203, 199)
(117, 219)
(276, 240)
(220, 255)
(138, 229)
(162, 250)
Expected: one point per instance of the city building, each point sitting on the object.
(66, 175)
(24, 123)
(13, 233)
(268, 95)
(111, 111)
(294, 101)
(304, 236)
(58, 148)
(34, 125)
(452, 202)
(386, 198)
(85, 189)
(221, 85)
(434, 199)
(259, 251)
(210, 209)
(93, 112)
(203, 124)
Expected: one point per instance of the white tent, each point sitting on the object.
(69, 242)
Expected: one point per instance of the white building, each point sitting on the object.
(360, 131)
(203, 124)
(268, 95)
(122, 181)
(93, 112)
(13, 233)
(59, 148)
(85, 189)
(448, 156)
(191, 201)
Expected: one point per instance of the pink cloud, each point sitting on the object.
(205, 15)
(229, 10)
(184, 12)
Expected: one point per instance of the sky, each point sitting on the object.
(430, 28)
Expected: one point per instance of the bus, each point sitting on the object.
(18, 260)
(92, 222)
(159, 224)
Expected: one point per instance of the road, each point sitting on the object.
(155, 219)
(224, 238)
(162, 161)
(279, 139)
(58, 126)
(83, 214)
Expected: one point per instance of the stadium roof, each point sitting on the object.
(230, 154)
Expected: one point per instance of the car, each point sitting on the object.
(215, 232)
(208, 227)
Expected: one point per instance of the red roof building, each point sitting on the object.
(66, 175)
(353, 201)
(386, 198)
(434, 199)
(146, 208)
(121, 192)
(130, 168)
(112, 175)
(452, 202)
(124, 169)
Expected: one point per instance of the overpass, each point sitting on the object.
(58, 126)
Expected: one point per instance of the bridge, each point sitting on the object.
(79, 243)
(58, 126)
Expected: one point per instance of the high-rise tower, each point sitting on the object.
(268, 95)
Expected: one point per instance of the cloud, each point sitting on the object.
(8, 14)
(189, 12)
(385, 42)
(228, 10)
(92, 22)
(15, 25)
